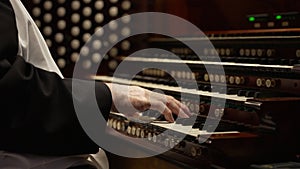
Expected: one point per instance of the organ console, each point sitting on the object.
(260, 87)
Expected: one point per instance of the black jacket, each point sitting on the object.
(36, 106)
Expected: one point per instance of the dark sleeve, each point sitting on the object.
(37, 113)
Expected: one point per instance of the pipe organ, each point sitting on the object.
(255, 43)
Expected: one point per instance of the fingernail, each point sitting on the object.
(182, 114)
(171, 119)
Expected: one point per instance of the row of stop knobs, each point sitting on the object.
(141, 132)
(155, 137)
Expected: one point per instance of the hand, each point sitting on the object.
(132, 99)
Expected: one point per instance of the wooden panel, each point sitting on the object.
(117, 162)
(223, 14)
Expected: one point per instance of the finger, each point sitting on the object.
(185, 109)
(174, 105)
(175, 108)
(180, 109)
(182, 106)
(162, 108)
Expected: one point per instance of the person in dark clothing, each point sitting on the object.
(38, 124)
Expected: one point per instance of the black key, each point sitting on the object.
(263, 61)
(207, 88)
(197, 125)
(232, 91)
(292, 62)
(267, 94)
(284, 62)
(273, 61)
(250, 93)
(242, 92)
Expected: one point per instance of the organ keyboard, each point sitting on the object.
(260, 88)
